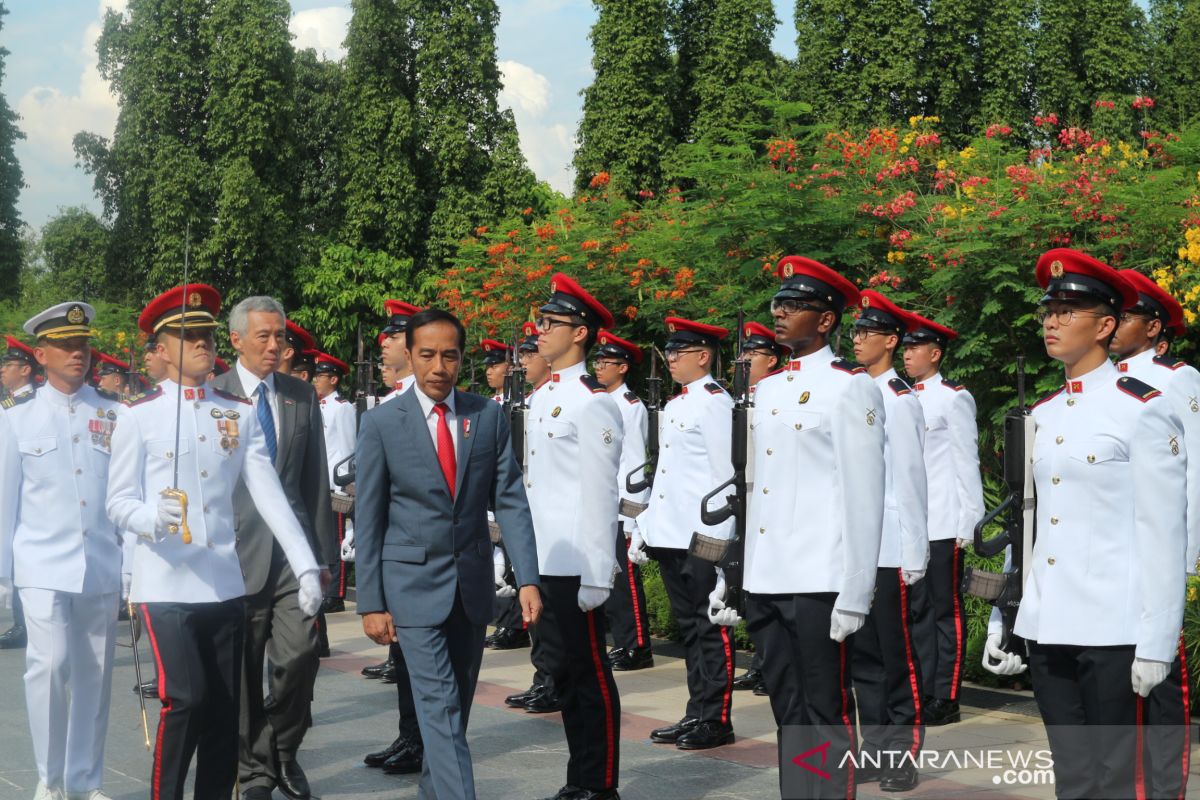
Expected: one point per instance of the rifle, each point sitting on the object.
(1017, 513)
(514, 398)
(730, 554)
(653, 410)
(364, 381)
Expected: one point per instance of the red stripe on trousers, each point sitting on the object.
(850, 737)
(958, 632)
(727, 695)
(633, 595)
(156, 786)
(1139, 767)
(341, 527)
(912, 669)
(609, 744)
(1187, 718)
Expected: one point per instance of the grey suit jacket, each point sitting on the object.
(415, 546)
(300, 462)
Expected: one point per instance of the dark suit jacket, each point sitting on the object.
(304, 473)
(415, 546)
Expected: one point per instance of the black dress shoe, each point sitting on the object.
(521, 698)
(942, 712)
(510, 639)
(13, 638)
(671, 733)
(867, 774)
(761, 690)
(616, 653)
(376, 670)
(567, 792)
(490, 638)
(333, 605)
(544, 702)
(590, 794)
(292, 781)
(705, 736)
(257, 793)
(389, 673)
(635, 659)
(377, 758)
(750, 679)
(899, 779)
(149, 689)
(406, 761)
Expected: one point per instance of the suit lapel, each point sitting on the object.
(468, 426)
(416, 434)
(287, 423)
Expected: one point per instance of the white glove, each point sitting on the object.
(310, 595)
(1147, 674)
(6, 590)
(963, 544)
(1007, 663)
(348, 546)
(592, 597)
(126, 585)
(911, 576)
(502, 587)
(170, 512)
(637, 548)
(718, 614)
(844, 623)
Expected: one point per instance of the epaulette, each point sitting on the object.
(714, 388)
(150, 395)
(12, 402)
(115, 398)
(1050, 396)
(632, 398)
(845, 365)
(1135, 388)
(593, 385)
(342, 399)
(1169, 363)
(898, 386)
(133, 398)
(955, 385)
(228, 395)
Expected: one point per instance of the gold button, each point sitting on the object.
(762, 530)
(766, 490)
(533, 452)
(663, 470)
(660, 497)
(1058, 440)
(37, 451)
(774, 411)
(170, 454)
(551, 435)
(790, 378)
(210, 545)
(203, 473)
(202, 438)
(1050, 561)
(770, 451)
(1054, 520)
(1071, 401)
(1091, 459)
(798, 426)
(78, 472)
(1056, 480)
(75, 439)
(83, 502)
(666, 445)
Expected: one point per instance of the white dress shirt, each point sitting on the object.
(431, 418)
(250, 383)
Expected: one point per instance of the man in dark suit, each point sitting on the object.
(429, 465)
(276, 629)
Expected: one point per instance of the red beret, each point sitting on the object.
(1068, 274)
(194, 306)
(398, 313)
(299, 338)
(18, 351)
(876, 311)
(494, 351)
(685, 332)
(103, 363)
(220, 365)
(612, 345)
(568, 297)
(330, 364)
(802, 277)
(1154, 298)
(926, 330)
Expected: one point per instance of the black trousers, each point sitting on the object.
(940, 621)
(887, 677)
(409, 727)
(626, 607)
(336, 590)
(591, 706)
(508, 609)
(198, 653)
(708, 648)
(1092, 717)
(808, 677)
(1168, 732)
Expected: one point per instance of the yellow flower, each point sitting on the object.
(941, 163)
(967, 153)
(912, 121)
(904, 149)
(1191, 594)
(1106, 150)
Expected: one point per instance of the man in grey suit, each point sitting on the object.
(429, 465)
(276, 629)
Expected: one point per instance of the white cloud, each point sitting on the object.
(323, 29)
(524, 88)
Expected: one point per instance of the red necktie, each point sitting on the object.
(445, 447)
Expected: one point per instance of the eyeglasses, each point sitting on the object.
(604, 364)
(675, 355)
(1063, 316)
(790, 305)
(865, 333)
(546, 324)
(1129, 316)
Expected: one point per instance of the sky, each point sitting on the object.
(51, 81)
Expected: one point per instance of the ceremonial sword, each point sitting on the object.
(175, 491)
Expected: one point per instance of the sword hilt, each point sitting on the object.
(182, 528)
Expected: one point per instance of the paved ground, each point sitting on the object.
(521, 756)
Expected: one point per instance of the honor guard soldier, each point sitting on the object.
(293, 358)
(574, 440)
(628, 617)
(152, 362)
(496, 358)
(1103, 598)
(341, 432)
(694, 456)
(111, 376)
(887, 678)
(813, 525)
(955, 506)
(404, 755)
(1142, 327)
(54, 456)
(17, 372)
(765, 356)
(195, 442)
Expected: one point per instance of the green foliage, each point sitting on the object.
(72, 256)
(11, 183)
(736, 71)
(626, 128)
(318, 158)
(1174, 59)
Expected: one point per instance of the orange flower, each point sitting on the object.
(631, 312)
(590, 244)
(600, 180)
